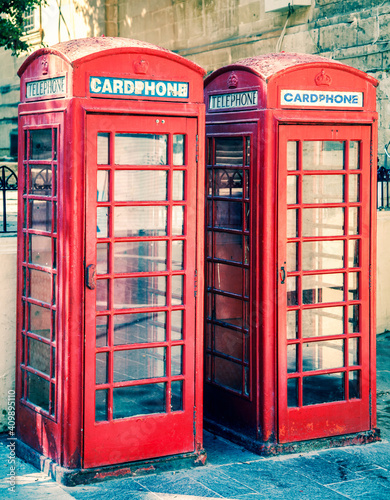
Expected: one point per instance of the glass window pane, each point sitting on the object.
(353, 319)
(40, 215)
(41, 144)
(40, 285)
(103, 151)
(140, 292)
(292, 392)
(38, 391)
(39, 356)
(177, 255)
(292, 189)
(39, 320)
(353, 221)
(322, 288)
(354, 188)
(176, 325)
(140, 185)
(177, 290)
(292, 291)
(228, 246)
(139, 400)
(140, 149)
(229, 151)
(101, 368)
(354, 155)
(177, 395)
(228, 183)
(318, 255)
(101, 331)
(40, 250)
(102, 222)
(292, 324)
(140, 221)
(137, 364)
(354, 385)
(177, 220)
(292, 257)
(102, 295)
(353, 286)
(323, 388)
(178, 185)
(292, 358)
(323, 189)
(324, 355)
(323, 155)
(228, 214)
(102, 185)
(353, 253)
(102, 257)
(323, 221)
(40, 180)
(178, 149)
(292, 223)
(101, 405)
(229, 342)
(176, 360)
(140, 256)
(228, 278)
(139, 328)
(292, 155)
(322, 321)
(353, 351)
(228, 310)
(228, 374)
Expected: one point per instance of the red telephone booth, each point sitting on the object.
(291, 217)
(111, 224)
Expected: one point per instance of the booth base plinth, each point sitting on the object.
(274, 448)
(74, 477)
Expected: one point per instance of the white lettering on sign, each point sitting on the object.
(50, 87)
(233, 100)
(128, 87)
(325, 99)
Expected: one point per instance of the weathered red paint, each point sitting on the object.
(69, 435)
(263, 415)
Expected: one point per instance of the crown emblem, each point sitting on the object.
(232, 81)
(45, 66)
(322, 78)
(141, 67)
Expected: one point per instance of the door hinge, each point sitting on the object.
(196, 283)
(197, 149)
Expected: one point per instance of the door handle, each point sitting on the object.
(90, 277)
(282, 275)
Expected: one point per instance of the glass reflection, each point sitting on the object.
(324, 388)
(319, 255)
(137, 364)
(323, 288)
(323, 189)
(229, 151)
(140, 221)
(322, 321)
(140, 185)
(324, 355)
(323, 155)
(139, 328)
(327, 221)
(140, 256)
(140, 149)
(140, 292)
(139, 400)
(178, 141)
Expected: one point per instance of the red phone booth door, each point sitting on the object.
(140, 306)
(323, 252)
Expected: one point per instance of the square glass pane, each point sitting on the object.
(292, 392)
(228, 342)
(137, 364)
(139, 328)
(323, 155)
(140, 256)
(229, 151)
(292, 291)
(102, 185)
(292, 190)
(353, 253)
(41, 179)
(139, 400)
(140, 292)
(228, 183)
(178, 185)
(101, 405)
(292, 155)
(177, 220)
(101, 368)
(323, 189)
(40, 250)
(228, 246)
(177, 290)
(228, 310)
(177, 255)
(319, 255)
(40, 215)
(353, 351)
(102, 295)
(140, 185)
(40, 285)
(292, 358)
(353, 319)
(323, 221)
(140, 149)
(324, 355)
(176, 325)
(103, 148)
(228, 278)
(354, 162)
(39, 320)
(354, 223)
(322, 321)
(354, 188)
(39, 356)
(140, 221)
(292, 223)
(101, 331)
(176, 360)
(228, 214)
(292, 324)
(322, 288)
(178, 142)
(102, 222)
(228, 374)
(354, 385)
(177, 395)
(325, 388)
(102, 256)
(353, 286)
(38, 391)
(41, 144)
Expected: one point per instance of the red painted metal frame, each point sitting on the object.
(269, 74)
(63, 439)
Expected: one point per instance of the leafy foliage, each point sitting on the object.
(11, 23)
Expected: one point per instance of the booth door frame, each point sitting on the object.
(172, 431)
(299, 417)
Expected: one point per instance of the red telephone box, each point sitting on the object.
(111, 219)
(291, 218)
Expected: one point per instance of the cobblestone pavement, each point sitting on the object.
(234, 473)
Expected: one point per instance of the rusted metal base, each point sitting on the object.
(274, 448)
(74, 477)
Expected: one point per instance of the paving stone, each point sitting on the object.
(183, 485)
(219, 482)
